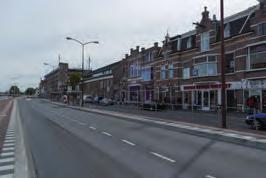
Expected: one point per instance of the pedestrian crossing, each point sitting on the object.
(7, 156)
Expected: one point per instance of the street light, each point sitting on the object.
(47, 64)
(223, 109)
(83, 44)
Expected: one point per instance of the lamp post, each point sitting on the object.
(83, 44)
(223, 109)
(47, 64)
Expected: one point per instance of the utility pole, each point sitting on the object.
(223, 89)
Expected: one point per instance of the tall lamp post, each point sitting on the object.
(47, 64)
(83, 44)
(223, 109)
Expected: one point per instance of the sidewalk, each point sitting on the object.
(235, 120)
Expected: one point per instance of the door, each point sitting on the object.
(264, 101)
(206, 101)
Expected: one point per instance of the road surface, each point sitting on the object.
(68, 143)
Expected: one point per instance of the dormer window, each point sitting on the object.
(205, 41)
(189, 43)
(262, 29)
(227, 30)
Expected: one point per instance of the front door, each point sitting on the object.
(206, 101)
(264, 101)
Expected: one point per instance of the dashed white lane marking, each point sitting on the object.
(8, 154)
(128, 142)
(209, 176)
(8, 149)
(82, 123)
(163, 157)
(5, 168)
(6, 160)
(9, 141)
(92, 128)
(106, 133)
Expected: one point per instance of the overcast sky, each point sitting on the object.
(33, 31)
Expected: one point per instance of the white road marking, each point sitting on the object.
(7, 176)
(6, 160)
(9, 141)
(5, 168)
(82, 123)
(209, 176)
(106, 133)
(163, 157)
(128, 142)
(92, 128)
(8, 149)
(8, 144)
(8, 154)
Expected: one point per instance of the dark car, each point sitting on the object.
(257, 121)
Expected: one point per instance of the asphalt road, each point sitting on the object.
(67, 143)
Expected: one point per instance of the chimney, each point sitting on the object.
(156, 44)
(131, 51)
(126, 56)
(142, 49)
(137, 48)
(205, 14)
(214, 18)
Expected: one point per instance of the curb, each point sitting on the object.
(231, 136)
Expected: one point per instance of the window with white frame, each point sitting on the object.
(134, 70)
(163, 72)
(171, 71)
(227, 31)
(205, 41)
(206, 66)
(257, 57)
(186, 73)
(146, 74)
(178, 44)
(189, 43)
(230, 63)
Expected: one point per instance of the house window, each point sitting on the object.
(163, 72)
(171, 71)
(146, 74)
(178, 44)
(257, 57)
(230, 63)
(186, 73)
(134, 70)
(227, 30)
(189, 43)
(205, 41)
(262, 29)
(148, 56)
(206, 66)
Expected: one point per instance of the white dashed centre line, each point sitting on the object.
(128, 142)
(105, 133)
(92, 128)
(82, 123)
(163, 157)
(209, 176)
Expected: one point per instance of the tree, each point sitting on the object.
(30, 91)
(14, 90)
(74, 79)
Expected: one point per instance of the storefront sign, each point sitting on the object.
(254, 84)
(203, 87)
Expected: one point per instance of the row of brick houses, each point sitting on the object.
(185, 72)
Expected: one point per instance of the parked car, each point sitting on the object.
(106, 102)
(88, 99)
(97, 99)
(256, 121)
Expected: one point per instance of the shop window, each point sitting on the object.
(261, 29)
(171, 71)
(257, 57)
(205, 41)
(230, 63)
(186, 73)
(163, 72)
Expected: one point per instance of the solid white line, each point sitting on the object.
(9, 141)
(163, 157)
(209, 176)
(82, 123)
(8, 154)
(5, 168)
(8, 148)
(128, 142)
(6, 160)
(105, 133)
(92, 128)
